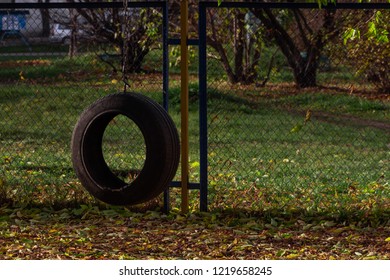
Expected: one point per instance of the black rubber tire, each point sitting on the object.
(161, 141)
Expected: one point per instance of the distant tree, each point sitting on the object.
(45, 19)
(133, 31)
(301, 36)
(237, 41)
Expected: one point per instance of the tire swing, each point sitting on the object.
(161, 141)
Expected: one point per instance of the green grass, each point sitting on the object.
(35, 48)
(326, 165)
(48, 69)
(335, 164)
(338, 104)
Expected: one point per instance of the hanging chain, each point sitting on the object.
(125, 47)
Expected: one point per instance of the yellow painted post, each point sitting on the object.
(184, 106)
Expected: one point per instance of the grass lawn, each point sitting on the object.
(291, 174)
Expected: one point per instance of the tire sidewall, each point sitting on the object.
(161, 141)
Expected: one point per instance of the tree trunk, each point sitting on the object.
(45, 20)
(306, 74)
(242, 69)
(238, 33)
(134, 57)
(73, 35)
(304, 68)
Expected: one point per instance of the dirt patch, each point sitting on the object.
(352, 120)
(23, 63)
(282, 90)
(345, 119)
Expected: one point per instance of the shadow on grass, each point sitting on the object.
(225, 217)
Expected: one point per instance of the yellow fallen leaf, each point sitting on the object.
(308, 116)
(296, 128)
(292, 256)
(387, 239)
(338, 231)
(114, 81)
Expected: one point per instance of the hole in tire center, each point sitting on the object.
(124, 148)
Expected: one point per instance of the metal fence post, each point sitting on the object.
(165, 81)
(203, 108)
(184, 105)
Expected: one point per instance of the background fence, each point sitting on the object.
(60, 61)
(297, 104)
(322, 146)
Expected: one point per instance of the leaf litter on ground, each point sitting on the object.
(89, 232)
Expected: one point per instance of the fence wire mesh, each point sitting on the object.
(298, 105)
(54, 63)
(298, 112)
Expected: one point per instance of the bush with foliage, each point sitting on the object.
(370, 53)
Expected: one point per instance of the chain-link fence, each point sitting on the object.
(291, 122)
(55, 62)
(298, 110)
